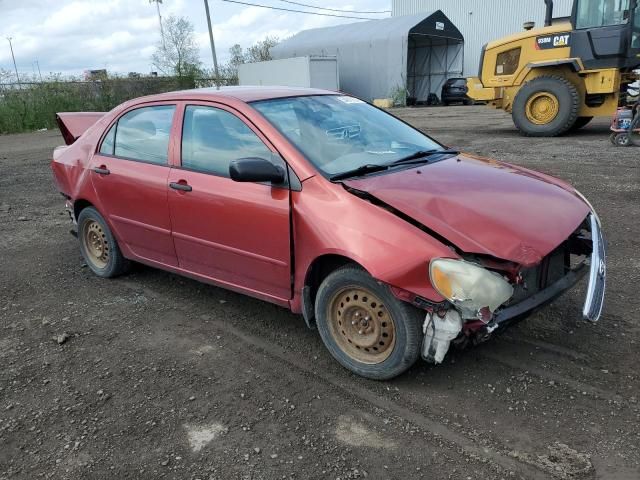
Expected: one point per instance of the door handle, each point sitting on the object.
(102, 170)
(180, 186)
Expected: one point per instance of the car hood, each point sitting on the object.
(483, 206)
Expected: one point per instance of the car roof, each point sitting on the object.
(242, 93)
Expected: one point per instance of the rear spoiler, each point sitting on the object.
(74, 124)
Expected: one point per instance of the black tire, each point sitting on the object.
(568, 106)
(115, 263)
(612, 139)
(580, 123)
(406, 320)
(634, 130)
(445, 103)
(467, 102)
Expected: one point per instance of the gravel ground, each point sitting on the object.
(155, 376)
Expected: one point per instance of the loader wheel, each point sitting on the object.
(580, 122)
(546, 106)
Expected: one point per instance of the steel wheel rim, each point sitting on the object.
(95, 244)
(361, 325)
(542, 108)
(623, 139)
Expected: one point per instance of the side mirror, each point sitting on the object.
(255, 170)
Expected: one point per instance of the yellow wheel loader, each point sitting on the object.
(558, 77)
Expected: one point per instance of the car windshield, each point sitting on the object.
(339, 133)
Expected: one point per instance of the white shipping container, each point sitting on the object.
(311, 71)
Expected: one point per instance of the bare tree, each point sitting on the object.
(6, 76)
(260, 51)
(178, 53)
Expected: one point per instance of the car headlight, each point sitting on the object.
(469, 287)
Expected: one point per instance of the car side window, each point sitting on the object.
(108, 142)
(143, 134)
(212, 138)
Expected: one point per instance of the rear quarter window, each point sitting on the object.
(108, 143)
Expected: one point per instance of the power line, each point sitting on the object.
(334, 9)
(296, 11)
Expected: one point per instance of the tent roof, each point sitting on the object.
(393, 27)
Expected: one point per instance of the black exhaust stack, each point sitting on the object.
(548, 18)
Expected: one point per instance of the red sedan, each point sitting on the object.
(391, 244)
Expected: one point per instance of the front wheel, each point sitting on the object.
(546, 106)
(364, 327)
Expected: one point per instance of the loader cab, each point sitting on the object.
(606, 33)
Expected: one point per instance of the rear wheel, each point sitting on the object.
(98, 245)
(546, 106)
(364, 327)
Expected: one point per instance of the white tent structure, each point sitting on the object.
(377, 57)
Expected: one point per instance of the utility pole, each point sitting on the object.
(213, 46)
(38, 65)
(14, 60)
(158, 2)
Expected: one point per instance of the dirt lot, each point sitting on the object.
(163, 377)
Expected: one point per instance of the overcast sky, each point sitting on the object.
(70, 36)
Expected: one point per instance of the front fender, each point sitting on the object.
(328, 220)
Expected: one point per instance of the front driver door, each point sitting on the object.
(234, 233)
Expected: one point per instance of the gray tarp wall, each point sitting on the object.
(378, 57)
(431, 61)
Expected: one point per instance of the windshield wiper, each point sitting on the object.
(361, 170)
(416, 157)
(419, 155)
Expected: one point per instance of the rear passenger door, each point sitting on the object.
(234, 233)
(130, 173)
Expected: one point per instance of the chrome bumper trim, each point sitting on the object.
(594, 299)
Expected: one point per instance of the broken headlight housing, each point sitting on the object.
(469, 287)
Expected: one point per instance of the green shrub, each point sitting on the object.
(32, 106)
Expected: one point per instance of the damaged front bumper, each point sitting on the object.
(594, 300)
(441, 330)
(594, 265)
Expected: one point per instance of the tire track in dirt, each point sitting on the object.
(351, 390)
